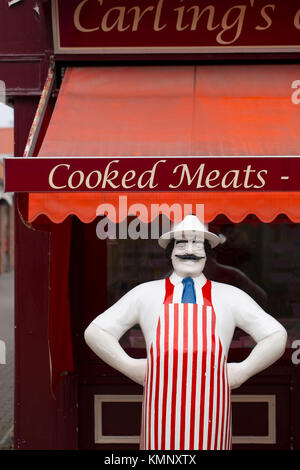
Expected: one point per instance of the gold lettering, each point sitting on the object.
(248, 172)
(212, 176)
(150, 181)
(77, 22)
(126, 178)
(185, 172)
(88, 178)
(51, 184)
(70, 180)
(233, 182)
(107, 177)
(138, 15)
(297, 20)
(266, 17)
(197, 15)
(261, 179)
(156, 26)
(239, 21)
(119, 22)
(179, 26)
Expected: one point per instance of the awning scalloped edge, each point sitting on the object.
(236, 206)
(207, 220)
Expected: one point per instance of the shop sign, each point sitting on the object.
(123, 174)
(175, 26)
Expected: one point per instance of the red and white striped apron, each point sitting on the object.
(186, 403)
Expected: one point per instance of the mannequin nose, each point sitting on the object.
(190, 247)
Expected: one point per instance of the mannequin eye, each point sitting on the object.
(180, 243)
(198, 245)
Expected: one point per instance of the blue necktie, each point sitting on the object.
(188, 294)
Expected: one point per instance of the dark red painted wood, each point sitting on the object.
(25, 46)
(24, 29)
(41, 421)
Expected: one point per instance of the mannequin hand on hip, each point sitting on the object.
(108, 348)
(265, 353)
(236, 375)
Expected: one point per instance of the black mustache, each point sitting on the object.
(193, 257)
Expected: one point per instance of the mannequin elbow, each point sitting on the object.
(95, 336)
(90, 334)
(87, 333)
(281, 340)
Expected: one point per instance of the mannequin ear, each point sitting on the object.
(207, 248)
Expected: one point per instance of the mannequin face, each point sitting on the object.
(188, 256)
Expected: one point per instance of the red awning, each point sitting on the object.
(234, 110)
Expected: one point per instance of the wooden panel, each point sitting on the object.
(41, 421)
(23, 75)
(87, 416)
(25, 27)
(256, 424)
(117, 417)
(254, 419)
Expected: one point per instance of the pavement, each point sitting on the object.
(6, 360)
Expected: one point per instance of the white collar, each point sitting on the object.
(199, 280)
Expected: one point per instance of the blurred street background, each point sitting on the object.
(7, 369)
(6, 279)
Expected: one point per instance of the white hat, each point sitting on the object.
(190, 225)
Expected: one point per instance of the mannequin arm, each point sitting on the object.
(108, 348)
(265, 353)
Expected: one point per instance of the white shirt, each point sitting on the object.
(233, 308)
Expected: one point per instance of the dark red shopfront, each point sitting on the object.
(160, 104)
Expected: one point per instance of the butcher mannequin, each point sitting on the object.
(188, 324)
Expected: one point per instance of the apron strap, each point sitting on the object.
(206, 292)
(169, 288)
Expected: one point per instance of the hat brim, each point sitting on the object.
(165, 239)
